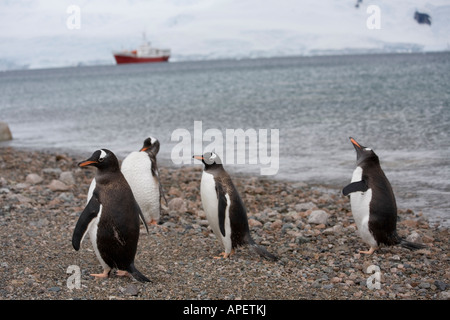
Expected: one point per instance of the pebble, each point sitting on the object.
(304, 206)
(67, 178)
(318, 217)
(33, 178)
(178, 205)
(440, 285)
(131, 290)
(56, 185)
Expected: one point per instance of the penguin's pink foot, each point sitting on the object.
(225, 255)
(153, 222)
(103, 275)
(369, 252)
(122, 273)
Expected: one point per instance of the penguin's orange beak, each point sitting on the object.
(86, 163)
(144, 149)
(198, 157)
(355, 143)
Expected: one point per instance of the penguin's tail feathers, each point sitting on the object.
(411, 245)
(261, 250)
(137, 274)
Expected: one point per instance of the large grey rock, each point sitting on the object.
(33, 178)
(67, 178)
(5, 133)
(178, 205)
(57, 185)
(318, 217)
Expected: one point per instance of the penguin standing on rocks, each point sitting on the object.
(111, 217)
(373, 202)
(141, 171)
(224, 208)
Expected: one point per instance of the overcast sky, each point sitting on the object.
(32, 30)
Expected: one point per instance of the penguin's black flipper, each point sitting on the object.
(354, 187)
(155, 170)
(142, 217)
(221, 207)
(137, 274)
(161, 192)
(90, 212)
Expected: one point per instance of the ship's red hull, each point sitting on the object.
(121, 59)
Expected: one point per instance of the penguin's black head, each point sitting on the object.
(151, 145)
(363, 153)
(210, 159)
(101, 159)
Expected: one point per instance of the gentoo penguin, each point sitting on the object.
(373, 203)
(111, 217)
(141, 171)
(224, 208)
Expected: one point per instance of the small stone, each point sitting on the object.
(52, 171)
(410, 223)
(334, 229)
(424, 285)
(67, 178)
(57, 185)
(23, 199)
(299, 185)
(178, 205)
(414, 237)
(131, 290)
(4, 190)
(427, 239)
(277, 224)
(440, 285)
(336, 279)
(174, 192)
(205, 222)
(304, 206)
(254, 223)
(33, 178)
(169, 224)
(318, 217)
(54, 289)
(22, 186)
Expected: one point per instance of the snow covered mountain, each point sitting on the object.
(35, 34)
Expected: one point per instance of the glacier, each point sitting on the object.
(34, 34)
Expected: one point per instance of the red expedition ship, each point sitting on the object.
(144, 54)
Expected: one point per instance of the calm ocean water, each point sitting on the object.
(397, 104)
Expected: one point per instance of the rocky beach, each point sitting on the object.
(309, 227)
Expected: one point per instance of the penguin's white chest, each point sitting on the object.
(210, 204)
(137, 170)
(360, 203)
(92, 228)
